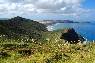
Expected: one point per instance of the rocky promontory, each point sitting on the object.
(71, 36)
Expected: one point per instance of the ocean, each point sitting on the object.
(87, 30)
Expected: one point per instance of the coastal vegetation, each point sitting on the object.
(18, 27)
(27, 41)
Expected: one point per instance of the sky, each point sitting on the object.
(78, 10)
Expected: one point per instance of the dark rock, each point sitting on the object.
(71, 36)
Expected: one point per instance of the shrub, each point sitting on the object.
(3, 54)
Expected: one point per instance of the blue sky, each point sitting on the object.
(78, 10)
(89, 4)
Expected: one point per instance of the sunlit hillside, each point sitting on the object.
(50, 49)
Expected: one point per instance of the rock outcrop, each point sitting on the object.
(71, 36)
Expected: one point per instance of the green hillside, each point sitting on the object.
(18, 26)
(26, 41)
(51, 49)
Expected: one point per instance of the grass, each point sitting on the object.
(50, 49)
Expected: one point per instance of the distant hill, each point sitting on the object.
(50, 22)
(18, 26)
(3, 18)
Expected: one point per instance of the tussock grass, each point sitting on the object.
(50, 49)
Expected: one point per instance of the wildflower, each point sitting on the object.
(33, 40)
(0, 35)
(47, 39)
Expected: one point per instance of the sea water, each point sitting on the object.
(87, 30)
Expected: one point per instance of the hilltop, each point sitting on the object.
(18, 26)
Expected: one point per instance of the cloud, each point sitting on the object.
(58, 7)
(47, 5)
